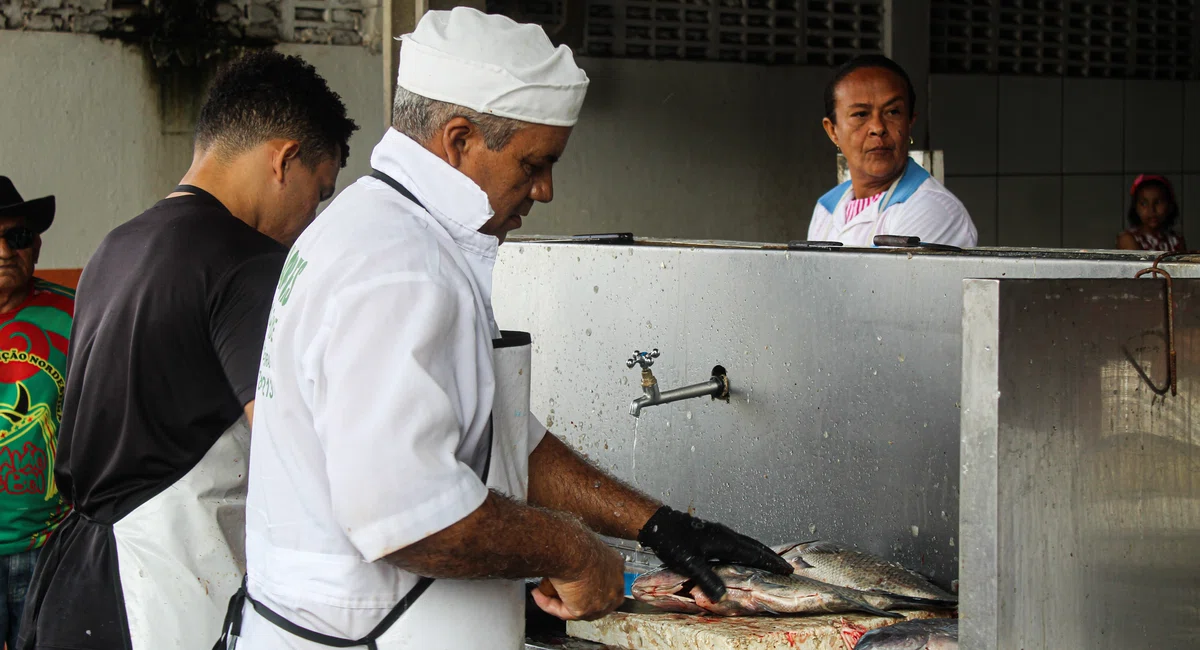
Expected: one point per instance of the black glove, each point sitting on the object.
(689, 546)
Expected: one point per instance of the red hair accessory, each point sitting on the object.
(1142, 178)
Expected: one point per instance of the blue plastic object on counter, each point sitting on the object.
(629, 578)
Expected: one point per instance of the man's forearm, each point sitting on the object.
(560, 479)
(502, 539)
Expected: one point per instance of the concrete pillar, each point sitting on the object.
(400, 17)
(906, 41)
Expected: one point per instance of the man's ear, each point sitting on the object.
(457, 140)
(37, 248)
(284, 154)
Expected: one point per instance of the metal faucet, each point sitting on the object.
(717, 386)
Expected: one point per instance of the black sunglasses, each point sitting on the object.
(19, 237)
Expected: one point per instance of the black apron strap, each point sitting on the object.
(395, 185)
(192, 189)
(232, 628)
(233, 617)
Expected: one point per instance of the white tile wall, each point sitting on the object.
(1091, 212)
(1092, 126)
(1153, 126)
(1191, 127)
(962, 121)
(978, 193)
(1030, 123)
(1030, 211)
(1189, 216)
(1065, 152)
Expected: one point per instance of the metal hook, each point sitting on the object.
(1172, 374)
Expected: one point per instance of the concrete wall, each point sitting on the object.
(664, 148)
(327, 22)
(1049, 162)
(696, 150)
(82, 122)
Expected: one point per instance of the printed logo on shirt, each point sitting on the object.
(18, 364)
(291, 271)
(25, 465)
(265, 389)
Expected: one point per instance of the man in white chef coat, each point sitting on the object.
(399, 487)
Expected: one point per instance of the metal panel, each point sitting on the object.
(1080, 518)
(814, 32)
(1135, 39)
(844, 422)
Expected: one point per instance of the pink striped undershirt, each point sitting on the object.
(855, 206)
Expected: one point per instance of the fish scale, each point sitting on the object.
(828, 579)
(757, 592)
(832, 563)
(928, 634)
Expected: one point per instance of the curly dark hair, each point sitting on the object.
(264, 95)
(1168, 223)
(858, 63)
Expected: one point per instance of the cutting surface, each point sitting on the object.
(646, 630)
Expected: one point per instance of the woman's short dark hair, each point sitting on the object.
(1172, 214)
(264, 95)
(858, 63)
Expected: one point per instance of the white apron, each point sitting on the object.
(455, 614)
(180, 554)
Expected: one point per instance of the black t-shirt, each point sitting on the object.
(170, 316)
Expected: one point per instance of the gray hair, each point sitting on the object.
(421, 118)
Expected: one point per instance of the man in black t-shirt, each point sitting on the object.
(169, 324)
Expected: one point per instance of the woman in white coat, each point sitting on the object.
(869, 116)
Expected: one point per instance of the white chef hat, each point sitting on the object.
(493, 65)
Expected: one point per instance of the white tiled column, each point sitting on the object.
(906, 41)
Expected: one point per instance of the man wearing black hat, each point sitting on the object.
(35, 324)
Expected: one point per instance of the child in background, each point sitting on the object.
(1152, 217)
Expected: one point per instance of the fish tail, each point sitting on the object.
(912, 602)
(867, 607)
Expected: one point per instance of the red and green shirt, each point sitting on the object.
(33, 362)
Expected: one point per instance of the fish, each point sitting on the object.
(922, 634)
(829, 562)
(666, 590)
(750, 592)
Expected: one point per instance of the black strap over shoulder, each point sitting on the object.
(192, 189)
(395, 185)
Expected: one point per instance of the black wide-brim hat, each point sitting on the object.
(38, 213)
